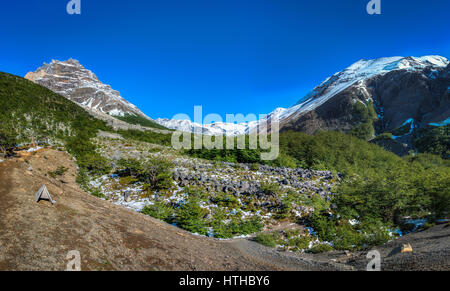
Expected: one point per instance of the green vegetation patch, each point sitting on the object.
(140, 120)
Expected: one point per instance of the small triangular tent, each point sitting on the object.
(43, 194)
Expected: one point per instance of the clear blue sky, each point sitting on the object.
(231, 56)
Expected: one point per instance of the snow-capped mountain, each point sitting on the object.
(208, 129)
(357, 74)
(219, 128)
(329, 105)
(71, 80)
(400, 88)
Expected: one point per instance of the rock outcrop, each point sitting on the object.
(71, 80)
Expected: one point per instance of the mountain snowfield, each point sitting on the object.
(73, 81)
(355, 75)
(218, 128)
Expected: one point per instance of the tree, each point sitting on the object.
(7, 139)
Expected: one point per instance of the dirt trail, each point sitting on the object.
(38, 236)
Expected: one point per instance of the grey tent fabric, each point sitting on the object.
(44, 194)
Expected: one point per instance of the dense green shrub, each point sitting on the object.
(271, 239)
(7, 138)
(196, 192)
(159, 210)
(433, 140)
(220, 228)
(321, 248)
(140, 120)
(225, 200)
(254, 167)
(58, 172)
(147, 136)
(191, 217)
(384, 136)
(270, 189)
(363, 131)
(366, 115)
(156, 173)
(301, 242)
(246, 226)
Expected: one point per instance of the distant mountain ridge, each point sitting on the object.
(398, 89)
(391, 90)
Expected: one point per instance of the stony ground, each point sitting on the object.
(215, 178)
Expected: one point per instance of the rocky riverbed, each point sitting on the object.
(241, 190)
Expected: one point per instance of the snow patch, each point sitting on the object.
(442, 123)
(34, 149)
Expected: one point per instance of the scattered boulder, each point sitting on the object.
(406, 248)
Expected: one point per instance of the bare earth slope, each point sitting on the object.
(38, 236)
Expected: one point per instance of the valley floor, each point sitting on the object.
(38, 236)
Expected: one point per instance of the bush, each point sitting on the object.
(384, 135)
(245, 227)
(94, 163)
(191, 217)
(97, 194)
(220, 228)
(147, 136)
(225, 200)
(270, 189)
(286, 161)
(346, 237)
(301, 242)
(321, 248)
(433, 140)
(324, 226)
(7, 139)
(363, 131)
(61, 170)
(271, 239)
(137, 119)
(156, 174)
(158, 210)
(195, 192)
(254, 167)
(376, 233)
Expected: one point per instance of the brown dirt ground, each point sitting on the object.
(38, 236)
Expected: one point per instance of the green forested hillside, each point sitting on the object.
(29, 110)
(139, 120)
(433, 140)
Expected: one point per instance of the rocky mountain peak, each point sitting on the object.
(72, 80)
(398, 88)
